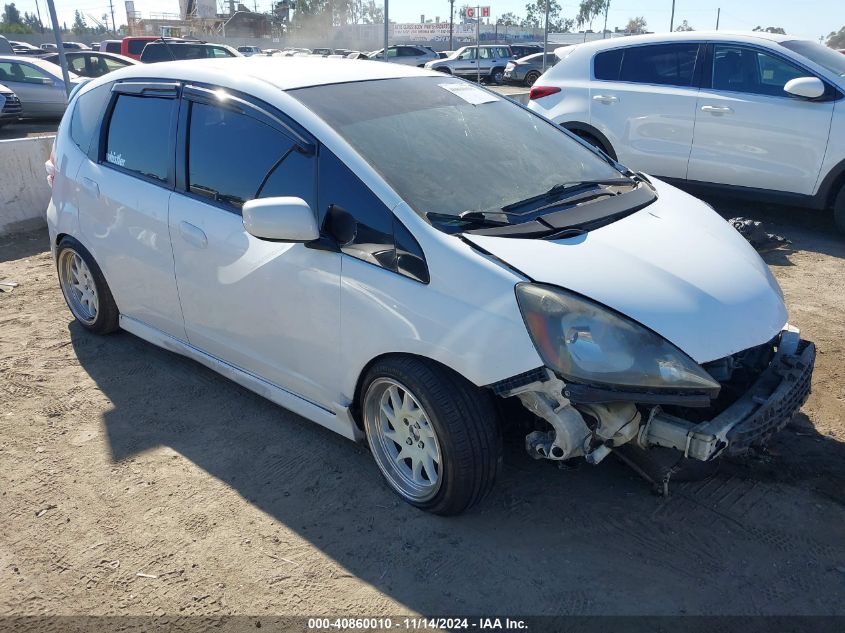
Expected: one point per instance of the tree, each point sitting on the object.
(636, 25)
(684, 26)
(836, 39)
(510, 19)
(11, 15)
(770, 29)
(80, 27)
(372, 14)
(589, 10)
(535, 14)
(561, 25)
(32, 22)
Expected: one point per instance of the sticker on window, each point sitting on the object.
(116, 159)
(470, 94)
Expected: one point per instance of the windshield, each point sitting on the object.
(825, 57)
(449, 147)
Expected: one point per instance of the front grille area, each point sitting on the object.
(12, 107)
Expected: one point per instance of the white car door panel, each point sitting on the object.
(750, 133)
(124, 203)
(648, 115)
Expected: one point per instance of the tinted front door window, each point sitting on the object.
(741, 69)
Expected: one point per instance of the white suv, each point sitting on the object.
(337, 263)
(761, 115)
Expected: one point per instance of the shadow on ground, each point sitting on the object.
(763, 536)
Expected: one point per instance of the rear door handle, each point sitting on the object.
(606, 98)
(716, 109)
(90, 186)
(193, 234)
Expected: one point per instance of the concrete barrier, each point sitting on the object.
(24, 192)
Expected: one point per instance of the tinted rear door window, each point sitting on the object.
(139, 136)
(663, 64)
(606, 65)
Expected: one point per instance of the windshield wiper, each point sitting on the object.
(561, 189)
(469, 219)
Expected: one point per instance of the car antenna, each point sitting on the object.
(167, 46)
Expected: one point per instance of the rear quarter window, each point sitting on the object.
(87, 112)
(136, 47)
(607, 64)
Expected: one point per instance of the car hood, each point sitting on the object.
(675, 266)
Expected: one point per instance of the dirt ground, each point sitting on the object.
(138, 482)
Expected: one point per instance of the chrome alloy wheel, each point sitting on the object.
(402, 439)
(78, 286)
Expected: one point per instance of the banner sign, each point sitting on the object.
(432, 31)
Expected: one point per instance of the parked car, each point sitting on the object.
(112, 46)
(471, 61)
(527, 70)
(5, 47)
(75, 46)
(767, 111)
(133, 46)
(48, 47)
(249, 51)
(406, 54)
(518, 51)
(444, 54)
(10, 106)
(322, 52)
(25, 48)
(91, 63)
(357, 55)
(38, 85)
(95, 46)
(319, 271)
(168, 51)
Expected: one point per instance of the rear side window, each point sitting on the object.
(139, 135)
(230, 155)
(111, 47)
(135, 47)
(663, 64)
(87, 112)
(607, 64)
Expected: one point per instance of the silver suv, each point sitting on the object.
(405, 54)
(472, 61)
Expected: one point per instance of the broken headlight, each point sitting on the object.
(588, 343)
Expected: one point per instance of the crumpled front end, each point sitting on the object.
(762, 388)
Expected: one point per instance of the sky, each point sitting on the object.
(808, 19)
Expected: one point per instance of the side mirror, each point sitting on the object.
(807, 87)
(280, 219)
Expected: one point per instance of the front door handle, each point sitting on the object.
(716, 109)
(606, 98)
(193, 234)
(91, 187)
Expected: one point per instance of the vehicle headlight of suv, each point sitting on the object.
(587, 343)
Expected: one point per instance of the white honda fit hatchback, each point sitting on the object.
(392, 254)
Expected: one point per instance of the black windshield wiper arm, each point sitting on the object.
(468, 219)
(563, 188)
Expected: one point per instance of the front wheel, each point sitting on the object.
(433, 435)
(497, 76)
(839, 210)
(85, 289)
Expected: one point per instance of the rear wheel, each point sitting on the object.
(433, 435)
(85, 289)
(839, 210)
(497, 75)
(531, 78)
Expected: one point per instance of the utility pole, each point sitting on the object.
(546, 35)
(606, 9)
(451, 21)
(59, 46)
(672, 19)
(113, 25)
(478, 45)
(38, 9)
(385, 32)
(718, 15)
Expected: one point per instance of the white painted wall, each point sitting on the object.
(24, 192)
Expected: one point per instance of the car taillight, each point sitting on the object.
(538, 92)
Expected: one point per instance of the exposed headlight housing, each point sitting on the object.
(587, 343)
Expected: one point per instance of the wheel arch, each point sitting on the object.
(831, 185)
(585, 129)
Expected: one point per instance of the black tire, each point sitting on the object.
(464, 421)
(839, 210)
(497, 75)
(592, 140)
(106, 319)
(444, 69)
(531, 78)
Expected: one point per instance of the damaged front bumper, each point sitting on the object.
(592, 427)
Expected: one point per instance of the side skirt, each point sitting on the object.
(340, 420)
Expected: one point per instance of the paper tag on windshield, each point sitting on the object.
(469, 93)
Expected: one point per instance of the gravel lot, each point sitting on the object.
(138, 482)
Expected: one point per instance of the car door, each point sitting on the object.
(124, 193)
(466, 63)
(35, 88)
(268, 308)
(749, 132)
(643, 100)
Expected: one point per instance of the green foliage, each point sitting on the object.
(684, 26)
(12, 22)
(80, 26)
(535, 14)
(510, 19)
(589, 10)
(637, 25)
(770, 29)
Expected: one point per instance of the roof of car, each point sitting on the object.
(685, 36)
(35, 61)
(284, 73)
